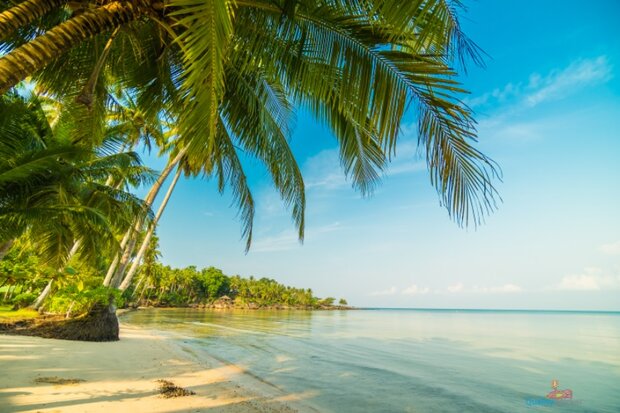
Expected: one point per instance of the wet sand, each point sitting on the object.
(122, 377)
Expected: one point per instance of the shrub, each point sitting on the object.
(23, 300)
(327, 301)
(172, 299)
(71, 300)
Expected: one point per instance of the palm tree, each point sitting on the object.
(259, 126)
(52, 190)
(355, 65)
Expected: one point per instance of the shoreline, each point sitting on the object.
(121, 377)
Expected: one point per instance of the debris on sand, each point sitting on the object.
(57, 380)
(168, 389)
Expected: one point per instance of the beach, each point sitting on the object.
(122, 377)
(323, 361)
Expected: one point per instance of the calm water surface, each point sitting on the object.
(414, 360)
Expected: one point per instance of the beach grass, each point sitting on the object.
(8, 315)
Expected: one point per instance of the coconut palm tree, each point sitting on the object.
(53, 190)
(258, 125)
(355, 65)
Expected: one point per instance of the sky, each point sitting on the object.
(548, 110)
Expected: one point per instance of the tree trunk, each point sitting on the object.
(112, 270)
(48, 288)
(132, 233)
(41, 298)
(6, 293)
(33, 56)
(99, 324)
(5, 247)
(25, 13)
(86, 97)
(147, 239)
(74, 249)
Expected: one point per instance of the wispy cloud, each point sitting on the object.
(502, 289)
(506, 288)
(592, 279)
(555, 85)
(498, 95)
(389, 291)
(324, 171)
(415, 290)
(457, 288)
(560, 83)
(612, 248)
(507, 105)
(287, 239)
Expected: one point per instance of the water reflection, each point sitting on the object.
(412, 360)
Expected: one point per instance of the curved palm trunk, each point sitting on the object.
(87, 95)
(147, 239)
(36, 54)
(128, 244)
(5, 247)
(25, 13)
(41, 298)
(48, 288)
(107, 281)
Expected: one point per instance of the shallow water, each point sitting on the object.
(415, 360)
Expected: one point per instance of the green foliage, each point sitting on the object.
(166, 286)
(22, 272)
(7, 314)
(214, 283)
(227, 73)
(342, 301)
(327, 301)
(24, 299)
(206, 81)
(57, 192)
(75, 301)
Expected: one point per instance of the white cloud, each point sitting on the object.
(324, 171)
(414, 289)
(612, 248)
(455, 288)
(389, 291)
(506, 288)
(592, 279)
(557, 84)
(498, 95)
(560, 83)
(287, 239)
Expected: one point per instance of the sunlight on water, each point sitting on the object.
(415, 360)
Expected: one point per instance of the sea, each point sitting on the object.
(413, 360)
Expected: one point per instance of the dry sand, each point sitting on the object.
(121, 377)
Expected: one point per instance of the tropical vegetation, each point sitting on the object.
(86, 85)
(22, 275)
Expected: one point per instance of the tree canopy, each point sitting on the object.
(86, 84)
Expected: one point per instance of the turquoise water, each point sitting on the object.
(415, 360)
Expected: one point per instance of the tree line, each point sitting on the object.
(23, 276)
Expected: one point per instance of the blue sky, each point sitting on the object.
(548, 107)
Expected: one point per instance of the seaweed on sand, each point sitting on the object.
(168, 389)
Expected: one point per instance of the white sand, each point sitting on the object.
(121, 377)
